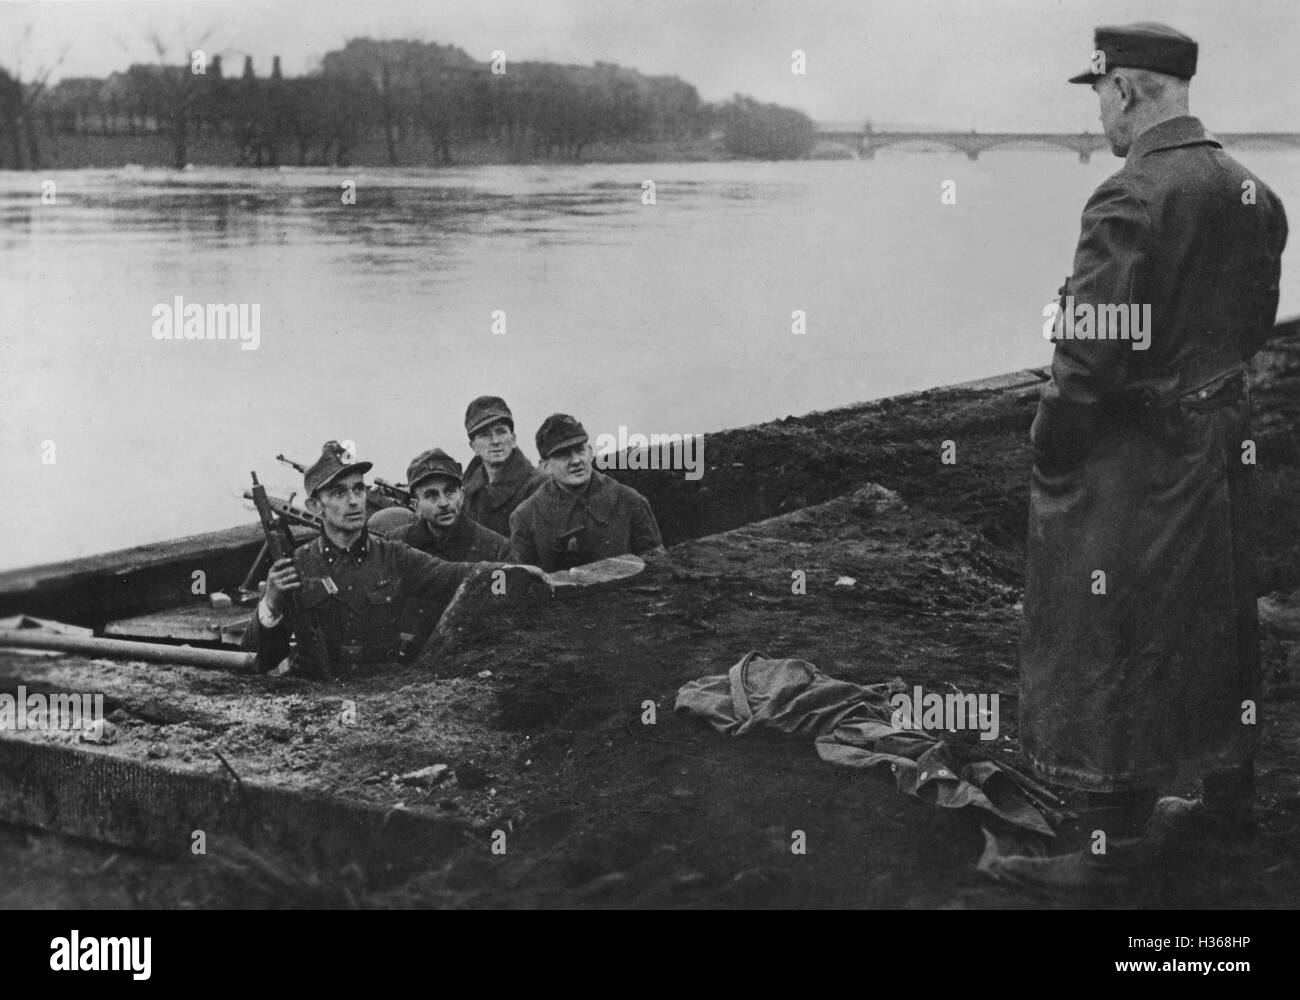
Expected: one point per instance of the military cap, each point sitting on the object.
(559, 431)
(487, 410)
(1146, 45)
(434, 462)
(330, 466)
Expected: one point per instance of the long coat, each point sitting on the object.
(557, 528)
(1140, 647)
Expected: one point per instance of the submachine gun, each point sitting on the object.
(312, 651)
(286, 512)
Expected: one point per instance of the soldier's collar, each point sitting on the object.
(359, 548)
(458, 532)
(598, 497)
(1185, 130)
(463, 529)
(516, 465)
(514, 474)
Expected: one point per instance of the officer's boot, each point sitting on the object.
(1105, 858)
(1219, 822)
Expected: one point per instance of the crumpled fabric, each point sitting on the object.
(851, 726)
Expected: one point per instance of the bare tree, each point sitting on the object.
(181, 90)
(21, 116)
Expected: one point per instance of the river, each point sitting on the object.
(377, 318)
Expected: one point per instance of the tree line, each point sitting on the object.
(395, 91)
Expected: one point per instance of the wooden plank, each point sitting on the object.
(596, 573)
(98, 589)
(45, 624)
(139, 557)
(192, 623)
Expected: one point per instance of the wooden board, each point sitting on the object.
(98, 589)
(192, 623)
(45, 624)
(593, 574)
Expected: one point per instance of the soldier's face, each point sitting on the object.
(438, 501)
(1114, 123)
(341, 504)
(572, 466)
(494, 444)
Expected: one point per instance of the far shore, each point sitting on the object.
(81, 152)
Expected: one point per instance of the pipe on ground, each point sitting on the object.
(122, 649)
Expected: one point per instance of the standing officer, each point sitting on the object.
(498, 478)
(1140, 651)
(372, 599)
(443, 528)
(579, 515)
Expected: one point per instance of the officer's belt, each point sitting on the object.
(1207, 368)
(1203, 376)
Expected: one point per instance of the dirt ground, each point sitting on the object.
(538, 713)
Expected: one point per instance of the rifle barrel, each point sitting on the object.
(286, 510)
(398, 491)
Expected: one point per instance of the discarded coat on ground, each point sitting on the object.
(852, 727)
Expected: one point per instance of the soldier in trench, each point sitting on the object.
(373, 601)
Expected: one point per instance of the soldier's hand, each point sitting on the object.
(520, 578)
(534, 572)
(282, 579)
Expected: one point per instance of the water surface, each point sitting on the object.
(376, 318)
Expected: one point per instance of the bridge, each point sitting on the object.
(972, 143)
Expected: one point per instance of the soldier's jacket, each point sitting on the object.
(466, 542)
(558, 529)
(1140, 637)
(364, 600)
(491, 504)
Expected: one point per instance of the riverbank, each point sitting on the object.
(539, 715)
(79, 152)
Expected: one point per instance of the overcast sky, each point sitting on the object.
(983, 64)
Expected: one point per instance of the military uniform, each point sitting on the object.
(372, 603)
(558, 528)
(1138, 468)
(490, 504)
(467, 542)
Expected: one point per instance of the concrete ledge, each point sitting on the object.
(154, 807)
